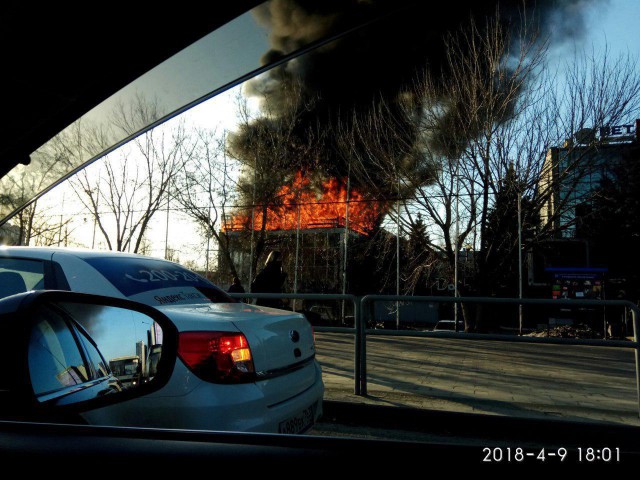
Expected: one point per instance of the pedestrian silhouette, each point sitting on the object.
(236, 286)
(270, 280)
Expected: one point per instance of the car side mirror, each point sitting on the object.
(77, 352)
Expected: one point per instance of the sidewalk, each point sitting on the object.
(582, 384)
(368, 421)
(481, 406)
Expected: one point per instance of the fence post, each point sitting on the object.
(634, 318)
(357, 323)
(360, 313)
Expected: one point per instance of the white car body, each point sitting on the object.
(288, 387)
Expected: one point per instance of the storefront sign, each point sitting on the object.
(577, 283)
(619, 131)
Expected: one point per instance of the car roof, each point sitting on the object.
(47, 252)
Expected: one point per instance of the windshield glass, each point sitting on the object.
(213, 64)
(450, 194)
(203, 69)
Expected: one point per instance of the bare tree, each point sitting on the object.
(206, 186)
(496, 107)
(133, 183)
(48, 227)
(466, 111)
(32, 224)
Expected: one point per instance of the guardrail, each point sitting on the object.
(360, 309)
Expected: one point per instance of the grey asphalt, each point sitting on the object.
(567, 382)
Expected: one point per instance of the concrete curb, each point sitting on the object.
(478, 427)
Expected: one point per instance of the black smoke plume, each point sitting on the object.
(331, 88)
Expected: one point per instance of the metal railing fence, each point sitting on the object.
(362, 309)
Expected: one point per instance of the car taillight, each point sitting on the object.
(220, 357)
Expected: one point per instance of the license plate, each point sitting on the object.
(298, 423)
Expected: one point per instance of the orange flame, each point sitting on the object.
(305, 209)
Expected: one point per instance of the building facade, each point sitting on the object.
(573, 173)
(590, 250)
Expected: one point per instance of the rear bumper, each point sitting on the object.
(252, 407)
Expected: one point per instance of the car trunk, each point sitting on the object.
(281, 342)
(283, 349)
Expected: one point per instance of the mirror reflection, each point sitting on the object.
(79, 351)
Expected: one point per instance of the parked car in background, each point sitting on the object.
(448, 326)
(128, 369)
(241, 368)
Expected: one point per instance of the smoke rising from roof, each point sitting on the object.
(341, 81)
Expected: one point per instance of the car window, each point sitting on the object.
(156, 282)
(55, 361)
(18, 275)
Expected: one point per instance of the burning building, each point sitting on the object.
(310, 226)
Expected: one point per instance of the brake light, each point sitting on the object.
(219, 357)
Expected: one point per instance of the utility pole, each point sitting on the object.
(520, 318)
(95, 217)
(166, 231)
(206, 268)
(346, 242)
(295, 271)
(61, 221)
(253, 218)
(398, 257)
(455, 251)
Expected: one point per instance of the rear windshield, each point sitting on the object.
(156, 282)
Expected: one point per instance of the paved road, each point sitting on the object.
(531, 380)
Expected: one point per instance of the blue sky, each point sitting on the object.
(615, 23)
